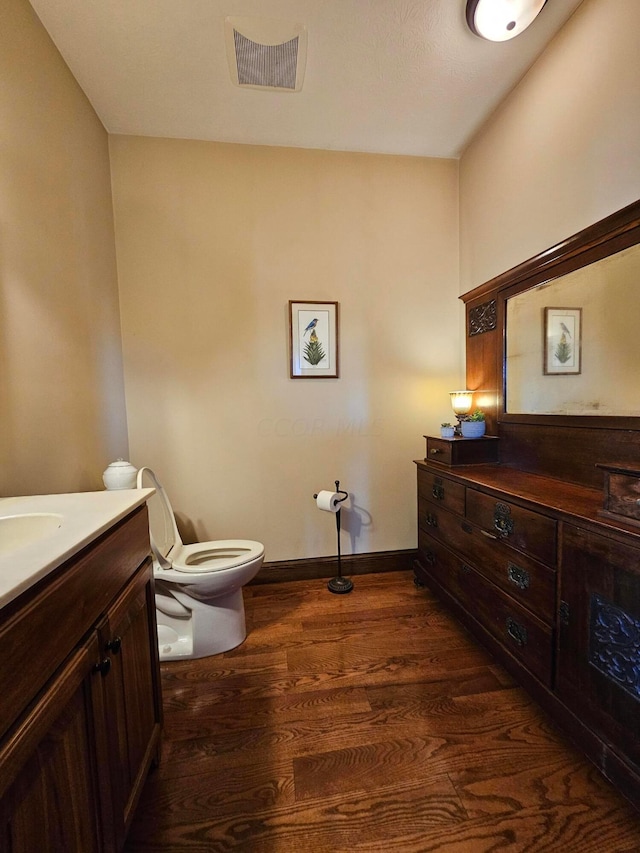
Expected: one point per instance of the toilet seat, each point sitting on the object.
(177, 561)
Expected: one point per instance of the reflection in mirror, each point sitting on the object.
(598, 372)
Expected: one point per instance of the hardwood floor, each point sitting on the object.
(365, 722)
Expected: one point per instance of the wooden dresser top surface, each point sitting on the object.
(568, 500)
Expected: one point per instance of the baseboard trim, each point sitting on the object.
(310, 568)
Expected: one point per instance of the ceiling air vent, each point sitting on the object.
(266, 54)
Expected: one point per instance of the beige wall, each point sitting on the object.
(61, 388)
(562, 151)
(212, 242)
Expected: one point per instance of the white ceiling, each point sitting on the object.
(387, 76)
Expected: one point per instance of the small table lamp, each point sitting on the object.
(461, 402)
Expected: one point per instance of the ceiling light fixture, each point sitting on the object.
(499, 20)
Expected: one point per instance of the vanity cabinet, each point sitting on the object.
(50, 789)
(80, 713)
(530, 567)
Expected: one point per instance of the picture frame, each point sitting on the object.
(313, 340)
(562, 342)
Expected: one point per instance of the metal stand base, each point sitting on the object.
(340, 585)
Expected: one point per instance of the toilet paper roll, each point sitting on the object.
(328, 501)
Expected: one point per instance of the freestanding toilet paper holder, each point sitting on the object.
(339, 584)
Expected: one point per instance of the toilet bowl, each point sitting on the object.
(199, 604)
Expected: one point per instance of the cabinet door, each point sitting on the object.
(50, 791)
(598, 671)
(132, 692)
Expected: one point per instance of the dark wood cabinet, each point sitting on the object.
(482, 552)
(553, 590)
(553, 528)
(76, 750)
(52, 796)
(598, 671)
(461, 451)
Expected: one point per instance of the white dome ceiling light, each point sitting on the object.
(500, 20)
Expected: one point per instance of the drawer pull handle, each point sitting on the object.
(488, 534)
(466, 527)
(114, 645)
(430, 558)
(517, 632)
(519, 577)
(502, 521)
(434, 451)
(431, 519)
(465, 569)
(438, 492)
(103, 667)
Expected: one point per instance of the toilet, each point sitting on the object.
(199, 605)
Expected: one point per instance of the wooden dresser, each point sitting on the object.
(533, 570)
(538, 549)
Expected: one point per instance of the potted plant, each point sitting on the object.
(446, 430)
(474, 426)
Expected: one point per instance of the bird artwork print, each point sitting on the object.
(312, 350)
(564, 351)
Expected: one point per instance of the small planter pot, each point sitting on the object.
(446, 432)
(473, 429)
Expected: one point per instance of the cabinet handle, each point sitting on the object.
(466, 527)
(517, 632)
(114, 645)
(519, 577)
(488, 535)
(438, 492)
(434, 451)
(502, 521)
(431, 520)
(465, 569)
(103, 667)
(430, 558)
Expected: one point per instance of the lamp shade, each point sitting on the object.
(461, 401)
(500, 20)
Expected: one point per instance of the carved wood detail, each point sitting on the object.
(614, 644)
(483, 318)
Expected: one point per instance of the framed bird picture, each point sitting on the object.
(562, 341)
(313, 340)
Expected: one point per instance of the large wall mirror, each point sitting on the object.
(572, 327)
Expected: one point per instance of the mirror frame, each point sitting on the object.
(619, 231)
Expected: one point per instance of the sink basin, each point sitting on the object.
(25, 528)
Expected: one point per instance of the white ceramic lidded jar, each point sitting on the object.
(120, 475)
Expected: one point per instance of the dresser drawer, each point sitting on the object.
(441, 491)
(440, 450)
(462, 451)
(529, 582)
(521, 528)
(438, 562)
(525, 636)
(520, 632)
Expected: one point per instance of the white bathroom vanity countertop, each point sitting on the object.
(84, 516)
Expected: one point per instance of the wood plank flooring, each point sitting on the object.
(365, 722)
